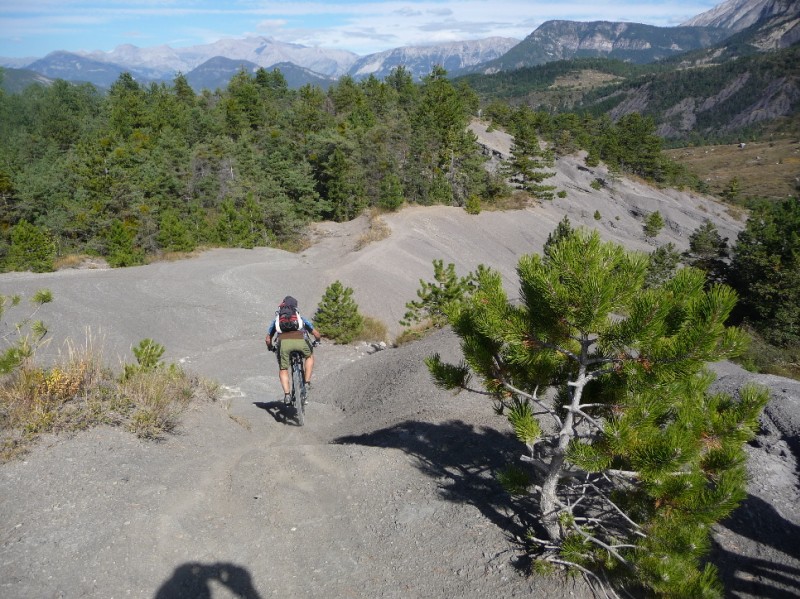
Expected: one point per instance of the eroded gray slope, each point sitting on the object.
(387, 491)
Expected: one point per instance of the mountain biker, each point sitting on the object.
(285, 342)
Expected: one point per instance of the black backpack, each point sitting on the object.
(287, 318)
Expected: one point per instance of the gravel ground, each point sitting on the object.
(388, 491)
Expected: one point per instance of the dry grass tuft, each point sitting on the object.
(736, 212)
(518, 200)
(157, 399)
(79, 261)
(172, 256)
(79, 392)
(378, 229)
(373, 330)
(414, 333)
(296, 245)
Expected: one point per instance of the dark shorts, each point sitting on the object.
(287, 346)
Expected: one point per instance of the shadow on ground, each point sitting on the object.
(279, 411)
(745, 575)
(465, 461)
(194, 581)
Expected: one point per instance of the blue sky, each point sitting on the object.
(33, 28)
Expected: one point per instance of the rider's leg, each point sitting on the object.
(308, 367)
(283, 375)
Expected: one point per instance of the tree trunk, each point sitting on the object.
(549, 504)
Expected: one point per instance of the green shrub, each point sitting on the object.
(148, 358)
(653, 224)
(436, 297)
(766, 358)
(120, 249)
(473, 205)
(337, 316)
(32, 248)
(391, 193)
(173, 234)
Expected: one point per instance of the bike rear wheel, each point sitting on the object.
(298, 387)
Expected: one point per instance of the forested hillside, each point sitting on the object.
(722, 101)
(146, 170)
(716, 101)
(151, 169)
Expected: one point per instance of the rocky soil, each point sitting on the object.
(388, 491)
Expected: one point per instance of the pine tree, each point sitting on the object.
(435, 297)
(526, 167)
(173, 234)
(337, 315)
(391, 197)
(632, 460)
(32, 248)
(234, 228)
(562, 230)
(765, 270)
(732, 190)
(120, 249)
(708, 251)
(342, 187)
(662, 264)
(653, 224)
(639, 147)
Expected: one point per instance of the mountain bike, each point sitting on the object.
(299, 393)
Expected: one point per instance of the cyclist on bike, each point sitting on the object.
(288, 332)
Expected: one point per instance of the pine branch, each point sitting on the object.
(542, 468)
(533, 398)
(618, 510)
(604, 586)
(623, 473)
(546, 545)
(583, 414)
(612, 549)
(555, 347)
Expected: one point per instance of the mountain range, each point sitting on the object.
(633, 42)
(205, 65)
(211, 65)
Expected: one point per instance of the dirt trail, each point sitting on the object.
(288, 511)
(388, 491)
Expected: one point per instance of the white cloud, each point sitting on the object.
(372, 26)
(271, 24)
(359, 26)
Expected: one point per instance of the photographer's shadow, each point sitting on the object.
(765, 574)
(193, 581)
